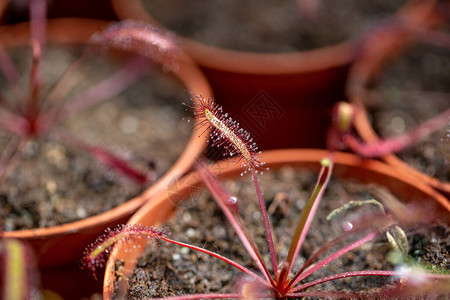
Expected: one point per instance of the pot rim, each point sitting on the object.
(368, 134)
(247, 62)
(189, 75)
(308, 158)
(279, 157)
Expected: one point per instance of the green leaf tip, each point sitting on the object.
(345, 113)
(18, 272)
(325, 162)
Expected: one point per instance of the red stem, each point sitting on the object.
(35, 83)
(100, 91)
(363, 223)
(38, 22)
(222, 197)
(383, 147)
(273, 255)
(322, 250)
(62, 86)
(104, 156)
(218, 296)
(329, 295)
(300, 276)
(223, 258)
(203, 296)
(344, 275)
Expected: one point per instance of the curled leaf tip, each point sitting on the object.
(140, 38)
(96, 254)
(344, 113)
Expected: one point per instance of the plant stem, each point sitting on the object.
(326, 295)
(104, 156)
(383, 147)
(223, 258)
(203, 296)
(268, 231)
(218, 296)
(38, 20)
(345, 275)
(65, 82)
(110, 86)
(35, 84)
(38, 14)
(359, 225)
(300, 276)
(222, 198)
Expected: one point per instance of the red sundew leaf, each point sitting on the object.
(96, 254)
(226, 133)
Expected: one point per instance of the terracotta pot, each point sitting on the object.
(346, 166)
(18, 11)
(269, 93)
(365, 72)
(368, 134)
(64, 244)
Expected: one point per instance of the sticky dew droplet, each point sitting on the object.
(347, 226)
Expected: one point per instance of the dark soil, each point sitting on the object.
(412, 90)
(432, 246)
(268, 25)
(56, 183)
(166, 269)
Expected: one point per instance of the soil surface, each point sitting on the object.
(55, 182)
(166, 269)
(415, 88)
(270, 26)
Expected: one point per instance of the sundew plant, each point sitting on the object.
(29, 112)
(277, 280)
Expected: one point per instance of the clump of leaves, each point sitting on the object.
(277, 280)
(32, 115)
(341, 134)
